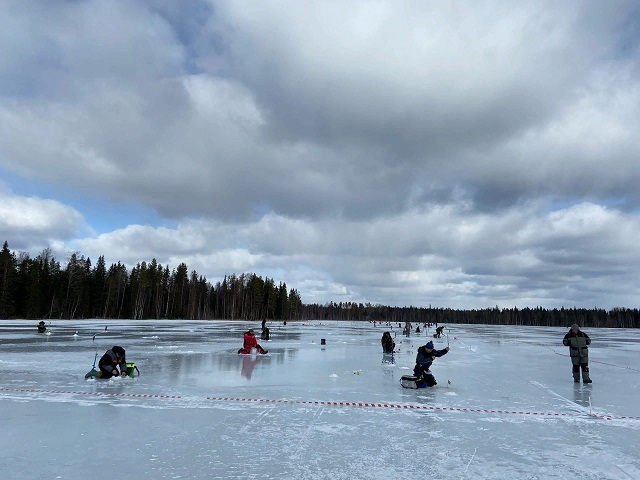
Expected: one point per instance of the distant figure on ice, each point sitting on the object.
(407, 328)
(438, 333)
(418, 329)
(388, 345)
(577, 342)
(250, 341)
(111, 361)
(41, 327)
(264, 335)
(426, 355)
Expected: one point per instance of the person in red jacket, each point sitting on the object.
(250, 341)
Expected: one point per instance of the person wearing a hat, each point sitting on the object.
(111, 361)
(250, 342)
(426, 355)
(578, 342)
(42, 327)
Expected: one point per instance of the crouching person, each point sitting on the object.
(388, 345)
(425, 357)
(113, 363)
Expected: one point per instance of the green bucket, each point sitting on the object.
(130, 369)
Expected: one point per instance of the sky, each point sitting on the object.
(453, 154)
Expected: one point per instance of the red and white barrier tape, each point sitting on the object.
(384, 405)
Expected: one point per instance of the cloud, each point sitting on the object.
(441, 256)
(29, 223)
(458, 154)
(345, 109)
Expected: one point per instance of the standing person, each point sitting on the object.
(407, 328)
(250, 342)
(577, 341)
(111, 361)
(264, 335)
(388, 345)
(425, 357)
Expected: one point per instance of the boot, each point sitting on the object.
(576, 376)
(585, 376)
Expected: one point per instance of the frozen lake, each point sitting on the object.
(312, 411)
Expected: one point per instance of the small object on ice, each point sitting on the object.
(75, 334)
(357, 372)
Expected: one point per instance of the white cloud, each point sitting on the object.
(34, 223)
(434, 256)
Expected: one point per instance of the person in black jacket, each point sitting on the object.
(387, 343)
(111, 361)
(41, 327)
(425, 357)
(578, 342)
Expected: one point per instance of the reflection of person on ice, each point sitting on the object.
(251, 342)
(426, 355)
(577, 342)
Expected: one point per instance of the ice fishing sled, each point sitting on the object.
(411, 381)
(132, 371)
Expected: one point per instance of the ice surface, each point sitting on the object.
(200, 410)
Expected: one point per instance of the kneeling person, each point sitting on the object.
(249, 342)
(426, 355)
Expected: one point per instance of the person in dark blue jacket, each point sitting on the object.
(426, 355)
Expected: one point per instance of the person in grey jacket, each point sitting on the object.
(578, 342)
(111, 361)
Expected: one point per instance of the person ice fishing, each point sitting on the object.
(438, 333)
(41, 327)
(250, 342)
(111, 361)
(388, 345)
(425, 357)
(578, 342)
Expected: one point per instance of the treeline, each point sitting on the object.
(596, 317)
(41, 288)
